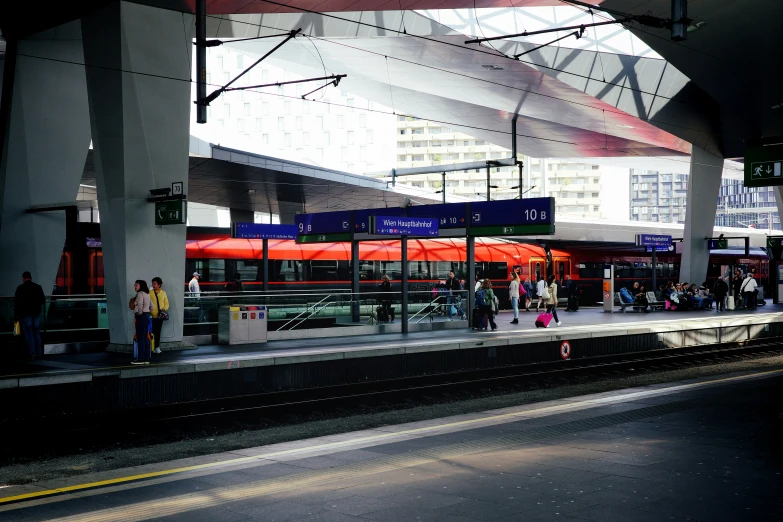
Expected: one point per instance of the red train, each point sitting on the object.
(325, 267)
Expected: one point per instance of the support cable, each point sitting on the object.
(209, 99)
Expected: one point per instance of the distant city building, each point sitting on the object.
(577, 186)
(662, 198)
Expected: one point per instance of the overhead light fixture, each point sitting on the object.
(493, 67)
(777, 106)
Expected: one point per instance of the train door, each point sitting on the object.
(95, 278)
(538, 267)
(64, 279)
(562, 267)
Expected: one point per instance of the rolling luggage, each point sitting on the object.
(573, 303)
(543, 320)
(381, 314)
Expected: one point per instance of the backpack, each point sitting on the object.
(481, 298)
(626, 296)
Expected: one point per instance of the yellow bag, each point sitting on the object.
(17, 328)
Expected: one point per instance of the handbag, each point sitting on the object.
(163, 315)
(546, 295)
(17, 328)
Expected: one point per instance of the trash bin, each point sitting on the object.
(256, 323)
(103, 315)
(242, 324)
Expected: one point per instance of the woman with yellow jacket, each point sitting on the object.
(159, 310)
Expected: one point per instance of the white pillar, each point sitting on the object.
(543, 191)
(138, 74)
(779, 204)
(702, 202)
(48, 136)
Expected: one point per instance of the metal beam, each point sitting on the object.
(404, 283)
(436, 169)
(201, 61)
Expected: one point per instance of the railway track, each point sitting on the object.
(179, 422)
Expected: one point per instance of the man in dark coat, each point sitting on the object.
(28, 301)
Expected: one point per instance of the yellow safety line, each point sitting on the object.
(504, 335)
(337, 444)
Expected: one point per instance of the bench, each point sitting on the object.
(623, 304)
(654, 302)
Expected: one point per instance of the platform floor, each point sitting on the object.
(590, 321)
(705, 449)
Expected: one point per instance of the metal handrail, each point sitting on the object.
(315, 312)
(304, 312)
(434, 301)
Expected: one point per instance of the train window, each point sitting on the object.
(323, 270)
(418, 270)
(623, 271)
(393, 269)
(442, 269)
(591, 271)
(216, 270)
(366, 270)
(287, 271)
(250, 269)
(498, 271)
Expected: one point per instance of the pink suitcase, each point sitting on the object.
(543, 320)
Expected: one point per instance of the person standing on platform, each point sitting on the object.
(551, 303)
(386, 298)
(513, 294)
(28, 301)
(141, 310)
(193, 287)
(572, 289)
(527, 286)
(159, 311)
(737, 284)
(540, 285)
(720, 289)
(236, 284)
(454, 290)
(748, 291)
(485, 299)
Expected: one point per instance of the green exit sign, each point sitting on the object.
(764, 164)
(172, 212)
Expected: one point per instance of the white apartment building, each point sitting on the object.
(580, 189)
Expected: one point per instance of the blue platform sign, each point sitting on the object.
(653, 240)
(405, 226)
(264, 231)
(532, 211)
(361, 218)
(324, 223)
(449, 215)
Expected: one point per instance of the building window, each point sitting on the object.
(240, 125)
(417, 157)
(343, 154)
(265, 139)
(350, 104)
(299, 123)
(350, 137)
(594, 195)
(221, 123)
(402, 157)
(595, 208)
(320, 123)
(402, 144)
(287, 107)
(327, 139)
(479, 142)
(340, 121)
(306, 139)
(258, 124)
(287, 139)
(369, 137)
(402, 131)
(227, 110)
(247, 109)
(265, 109)
(434, 130)
(465, 143)
(417, 131)
(280, 124)
(363, 121)
(320, 152)
(220, 62)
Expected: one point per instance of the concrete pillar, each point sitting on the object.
(47, 133)
(138, 78)
(702, 200)
(779, 204)
(288, 211)
(239, 215)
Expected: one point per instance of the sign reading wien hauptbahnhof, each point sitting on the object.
(653, 240)
(404, 226)
(764, 164)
